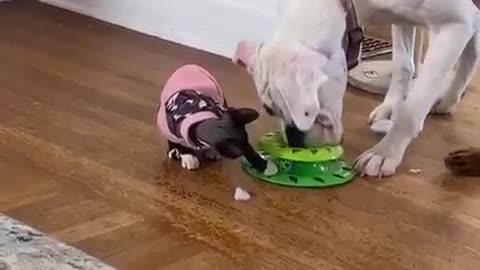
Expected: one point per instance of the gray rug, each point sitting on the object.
(24, 248)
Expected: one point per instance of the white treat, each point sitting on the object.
(241, 195)
(415, 171)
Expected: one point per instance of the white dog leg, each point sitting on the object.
(402, 37)
(384, 158)
(463, 75)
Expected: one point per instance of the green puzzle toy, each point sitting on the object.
(302, 167)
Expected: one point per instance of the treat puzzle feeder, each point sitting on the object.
(301, 167)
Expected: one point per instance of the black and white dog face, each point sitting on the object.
(227, 135)
(294, 87)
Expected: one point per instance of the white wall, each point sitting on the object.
(211, 25)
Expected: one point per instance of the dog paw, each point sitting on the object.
(376, 163)
(174, 154)
(212, 155)
(382, 112)
(190, 162)
(381, 118)
(381, 126)
(464, 162)
(446, 105)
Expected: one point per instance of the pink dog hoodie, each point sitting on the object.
(190, 95)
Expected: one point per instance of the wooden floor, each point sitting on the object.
(80, 159)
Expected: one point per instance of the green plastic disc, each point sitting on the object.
(274, 145)
(317, 175)
(307, 168)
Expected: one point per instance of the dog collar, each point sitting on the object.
(353, 38)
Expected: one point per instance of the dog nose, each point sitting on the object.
(295, 137)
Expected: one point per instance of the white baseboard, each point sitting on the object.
(210, 25)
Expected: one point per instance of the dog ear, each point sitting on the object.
(300, 85)
(245, 53)
(244, 116)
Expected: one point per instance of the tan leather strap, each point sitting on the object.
(353, 38)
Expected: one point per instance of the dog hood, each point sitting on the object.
(189, 77)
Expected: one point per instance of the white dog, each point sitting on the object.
(301, 73)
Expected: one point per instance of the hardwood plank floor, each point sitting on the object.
(80, 160)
